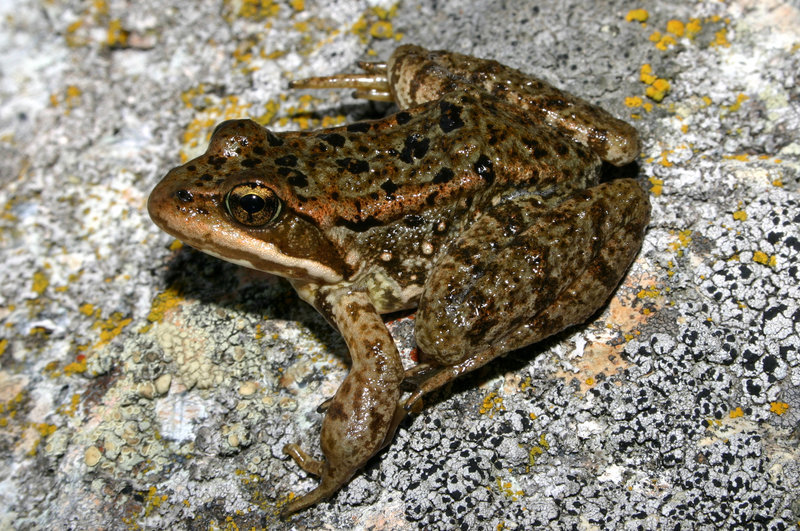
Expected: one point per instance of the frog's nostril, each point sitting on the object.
(184, 195)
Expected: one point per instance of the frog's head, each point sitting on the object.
(228, 203)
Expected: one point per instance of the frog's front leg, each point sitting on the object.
(523, 272)
(364, 413)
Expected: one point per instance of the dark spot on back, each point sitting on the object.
(191, 167)
(450, 118)
(250, 163)
(413, 220)
(402, 117)
(286, 160)
(258, 150)
(389, 187)
(416, 146)
(298, 179)
(353, 165)
(444, 175)
(483, 167)
(360, 226)
(184, 196)
(206, 177)
(334, 139)
(215, 161)
(359, 127)
(562, 149)
(273, 140)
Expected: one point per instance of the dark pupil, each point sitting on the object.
(251, 203)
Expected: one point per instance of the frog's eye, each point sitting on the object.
(253, 204)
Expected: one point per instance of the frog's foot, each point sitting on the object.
(331, 479)
(374, 85)
(323, 407)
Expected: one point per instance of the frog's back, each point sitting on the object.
(373, 174)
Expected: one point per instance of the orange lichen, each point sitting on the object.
(637, 15)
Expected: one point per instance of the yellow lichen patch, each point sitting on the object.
(164, 302)
(381, 29)
(693, 28)
(3, 346)
(646, 74)
(297, 5)
(658, 89)
(374, 23)
(175, 245)
(684, 239)
(779, 408)
(153, 500)
(76, 367)
(665, 42)
(664, 158)
(736, 413)
(637, 15)
(254, 9)
(116, 36)
(740, 215)
(110, 328)
(676, 27)
(40, 282)
(740, 98)
(633, 101)
(491, 403)
(721, 38)
(762, 258)
(650, 292)
(88, 309)
(507, 488)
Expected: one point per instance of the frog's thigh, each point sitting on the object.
(501, 287)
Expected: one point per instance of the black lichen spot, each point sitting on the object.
(286, 160)
(353, 165)
(250, 163)
(389, 187)
(416, 146)
(273, 140)
(359, 127)
(442, 176)
(184, 196)
(402, 117)
(334, 139)
(450, 118)
(483, 167)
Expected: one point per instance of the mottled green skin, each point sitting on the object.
(476, 203)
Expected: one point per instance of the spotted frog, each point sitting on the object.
(478, 203)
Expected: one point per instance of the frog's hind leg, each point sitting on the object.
(373, 85)
(517, 290)
(362, 416)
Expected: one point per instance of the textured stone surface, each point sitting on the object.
(147, 386)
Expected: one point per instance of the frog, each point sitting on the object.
(478, 204)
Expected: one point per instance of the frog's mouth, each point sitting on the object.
(197, 218)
